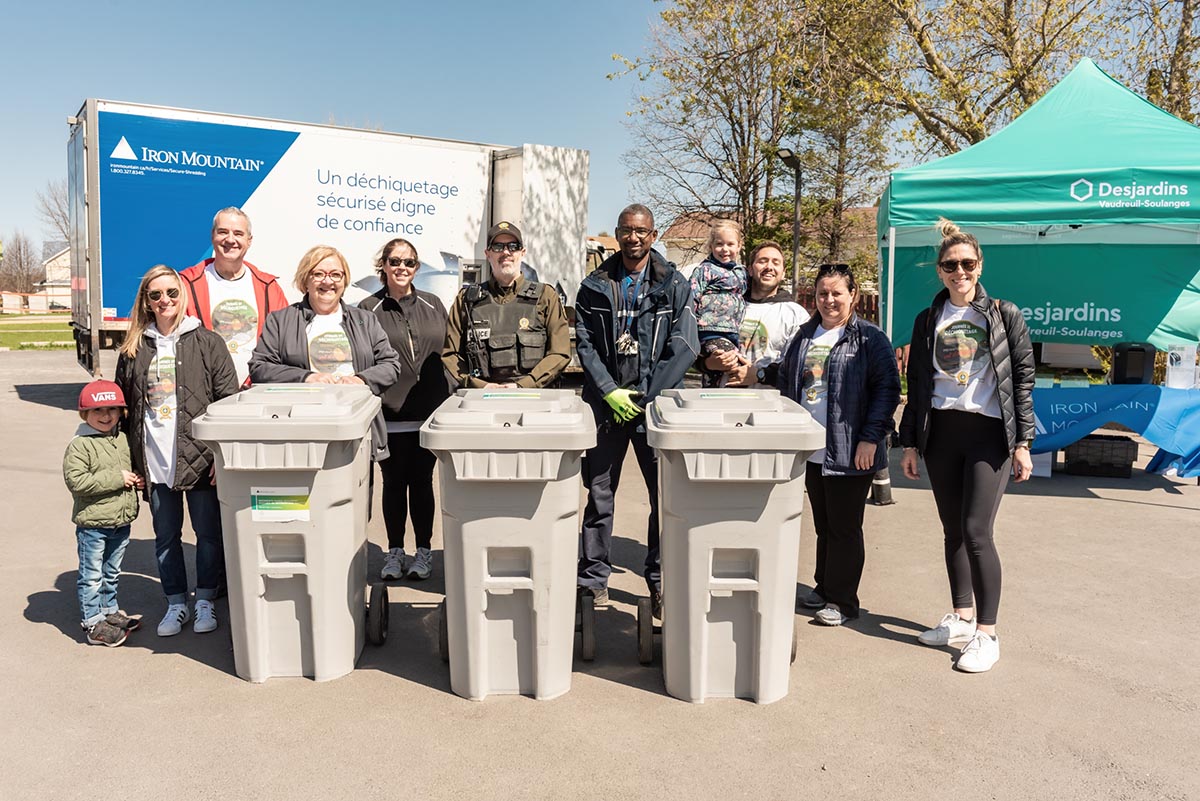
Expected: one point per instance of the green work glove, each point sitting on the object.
(621, 401)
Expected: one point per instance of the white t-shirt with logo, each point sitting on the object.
(233, 310)
(963, 378)
(814, 389)
(328, 346)
(766, 331)
(161, 405)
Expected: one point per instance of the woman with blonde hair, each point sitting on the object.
(170, 369)
(970, 415)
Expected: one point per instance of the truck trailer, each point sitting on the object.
(145, 181)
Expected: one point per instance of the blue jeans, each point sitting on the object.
(100, 553)
(166, 511)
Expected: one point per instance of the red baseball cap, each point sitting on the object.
(101, 394)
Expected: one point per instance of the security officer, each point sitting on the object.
(508, 331)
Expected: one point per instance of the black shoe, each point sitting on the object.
(599, 595)
(656, 604)
(105, 633)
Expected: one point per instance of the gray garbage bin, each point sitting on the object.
(293, 462)
(510, 489)
(731, 479)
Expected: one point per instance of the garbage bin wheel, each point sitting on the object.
(793, 645)
(645, 624)
(587, 626)
(377, 615)
(443, 633)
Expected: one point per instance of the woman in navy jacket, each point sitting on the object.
(843, 370)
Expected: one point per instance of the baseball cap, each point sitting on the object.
(99, 394)
(504, 227)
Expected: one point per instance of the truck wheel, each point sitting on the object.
(645, 626)
(587, 627)
(443, 633)
(377, 615)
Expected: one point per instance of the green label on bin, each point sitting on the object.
(727, 394)
(505, 395)
(279, 504)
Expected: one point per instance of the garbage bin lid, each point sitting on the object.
(731, 419)
(510, 420)
(290, 412)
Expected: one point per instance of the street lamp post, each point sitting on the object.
(792, 160)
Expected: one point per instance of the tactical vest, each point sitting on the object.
(509, 339)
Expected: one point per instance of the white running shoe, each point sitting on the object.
(831, 615)
(953, 630)
(980, 654)
(422, 565)
(395, 562)
(173, 620)
(206, 617)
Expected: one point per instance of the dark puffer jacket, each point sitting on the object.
(204, 373)
(1012, 361)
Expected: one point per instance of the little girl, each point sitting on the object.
(718, 294)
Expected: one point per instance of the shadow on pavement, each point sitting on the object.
(56, 396)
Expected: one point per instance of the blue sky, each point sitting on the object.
(531, 72)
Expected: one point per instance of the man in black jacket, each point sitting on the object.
(635, 335)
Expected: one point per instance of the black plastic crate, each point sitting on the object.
(1101, 455)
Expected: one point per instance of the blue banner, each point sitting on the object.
(1169, 418)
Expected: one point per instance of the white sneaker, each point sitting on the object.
(395, 561)
(173, 620)
(422, 565)
(953, 630)
(980, 654)
(831, 615)
(206, 617)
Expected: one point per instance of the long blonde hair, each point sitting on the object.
(142, 315)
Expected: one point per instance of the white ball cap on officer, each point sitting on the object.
(506, 264)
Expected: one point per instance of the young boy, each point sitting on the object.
(96, 468)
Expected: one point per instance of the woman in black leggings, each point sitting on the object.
(415, 323)
(970, 415)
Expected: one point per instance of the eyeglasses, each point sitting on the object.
(396, 261)
(640, 233)
(829, 269)
(155, 295)
(321, 275)
(500, 247)
(949, 266)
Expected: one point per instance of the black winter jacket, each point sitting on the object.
(204, 373)
(864, 391)
(416, 327)
(1012, 361)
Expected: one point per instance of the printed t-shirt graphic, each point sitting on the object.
(752, 335)
(160, 388)
(234, 316)
(328, 346)
(960, 350)
(814, 387)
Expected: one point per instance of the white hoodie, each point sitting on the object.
(160, 403)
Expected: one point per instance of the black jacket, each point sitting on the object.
(204, 373)
(1012, 361)
(665, 331)
(416, 328)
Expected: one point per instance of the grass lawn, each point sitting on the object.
(21, 338)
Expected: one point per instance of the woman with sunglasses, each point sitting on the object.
(320, 340)
(415, 323)
(970, 415)
(842, 369)
(170, 369)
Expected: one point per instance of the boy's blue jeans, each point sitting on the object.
(166, 511)
(100, 553)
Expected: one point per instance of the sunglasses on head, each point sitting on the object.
(951, 265)
(500, 247)
(396, 261)
(155, 295)
(829, 269)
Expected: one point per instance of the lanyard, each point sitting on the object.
(628, 300)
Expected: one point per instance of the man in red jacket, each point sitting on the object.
(229, 294)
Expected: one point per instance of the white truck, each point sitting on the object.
(145, 181)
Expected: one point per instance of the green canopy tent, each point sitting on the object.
(1088, 210)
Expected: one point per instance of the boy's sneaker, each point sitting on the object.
(395, 562)
(422, 565)
(813, 600)
(105, 633)
(206, 617)
(599, 595)
(980, 654)
(831, 615)
(173, 620)
(123, 621)
(952, 630)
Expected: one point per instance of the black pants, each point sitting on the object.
(837, 504)
(969, 464)
(408, 489)
(601, 475)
